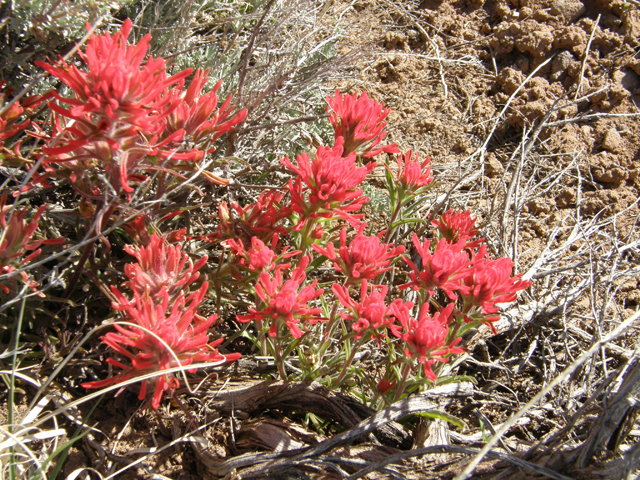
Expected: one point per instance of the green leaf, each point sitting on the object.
(436, 414)
(405, 221)
(319, 260)
(456, 379)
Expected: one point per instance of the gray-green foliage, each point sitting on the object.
(378, 199)
(274, 57)
(59, 20)
(34, 29)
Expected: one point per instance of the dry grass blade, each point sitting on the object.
(620, 330)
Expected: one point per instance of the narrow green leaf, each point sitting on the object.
(436, 414)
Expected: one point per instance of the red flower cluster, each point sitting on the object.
(330, 184)
(371, 314)
(174, 335)
(259, 257)
(443, 269)
(15, 242)
(179, 326)
(160, 268)
(426, 336)
(127, 113)
(364, 258)
(10, 123)
(489, 282)
(284, 301)
(413, 176)
(259, 219)
(460, 267)
(359, 121)
(458, 227)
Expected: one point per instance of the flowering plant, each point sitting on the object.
(16, 241)
(313, 291)
(359, 121)
(129, 118)
(171, 332)
(457, 287)
(364, 258)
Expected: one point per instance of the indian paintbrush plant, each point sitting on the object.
(315, 286)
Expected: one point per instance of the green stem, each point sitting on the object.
(347, 364)
(277, 354)
(406, 368)
(326, 339)
(263, 338)
(394, 216)
(305, 235)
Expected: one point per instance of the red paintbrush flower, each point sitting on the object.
(8, 119)
(283, 301)
(489, 282)
(16, 241)
(259, 219)
(259, 257)
(360, 122)
(160, 268)
(458, 227)
(413, 176)
(118, 85)
(371, 315)
(426, 337)
(443, 269)
(330, 183)
(180, 328)
(198, 115)
(127, 114)
(364, 258)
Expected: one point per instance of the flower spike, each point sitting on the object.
(360, 122)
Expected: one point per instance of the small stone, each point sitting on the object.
(612, 140)
(492, 167)
(627, 79)
(571, 10)
(566, 198)
(560, 64)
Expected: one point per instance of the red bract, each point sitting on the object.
(259, 257)
(116, 101)
(458, 227)
(8, 125)
(371, 314)
(127, 112)
(443, 269)
(117, 86)
(413, 176)
(198, 115)
(489, 282)
(284, 301)
(360, 122)
(179, 326)
(365, 257)
(330, 182)
(15, 241)
(426, 337)
(385, 386)
(160, 268)
(259, 219)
